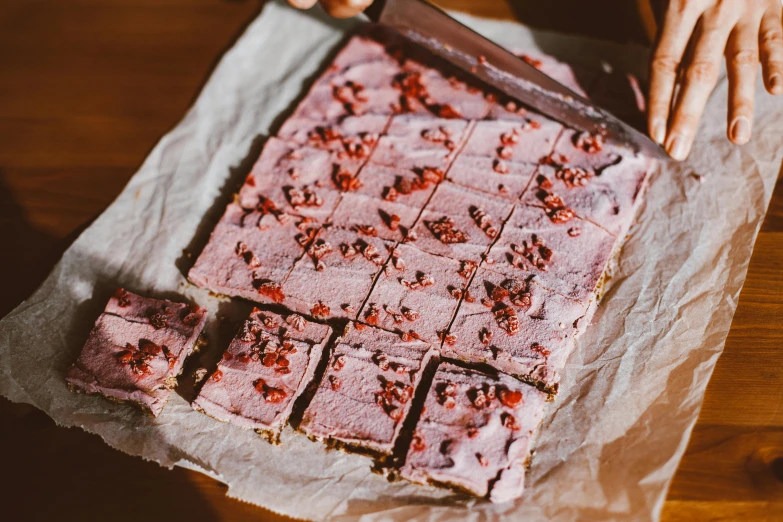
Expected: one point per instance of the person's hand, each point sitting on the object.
(694, 37)
(336, 8)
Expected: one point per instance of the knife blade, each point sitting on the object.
(430, 27)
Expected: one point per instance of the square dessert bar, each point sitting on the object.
(475, 433)
(136, 350)
(335, 276)
(411, 187)
(416, 141)
(300, 180)
(388, 199)
(250, 253)
(501, 178)
(367, 390)
(567, 256)
(607, 194)
(509, 140)
(417, 293)
(382, 218)
(264, 370)
(516, 326)
(459, 223)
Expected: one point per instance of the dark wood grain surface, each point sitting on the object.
(86, 89)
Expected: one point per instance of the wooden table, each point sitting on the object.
(86, 89)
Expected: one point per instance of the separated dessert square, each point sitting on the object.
(475, 433)
(417, 293)
(136, 350)
(516, 326)
(367, 390)
(265, 369)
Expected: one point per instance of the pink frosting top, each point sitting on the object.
(250, 255)
(507, 179)
(513, 141)
(460, 223)
(265, 368)
(336, 274)
(607, 195)
(475, 433)
(516, 326)
(388, 220)
(138, 344)
(416, 141)
(568, 258)
(417, 293)
(379, 180)
(367, 389)
(298, 180)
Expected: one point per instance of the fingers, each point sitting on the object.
(699, 78)
(742, 62)
(302, 4)
(345, 8)
(771, 43)
(677, 29)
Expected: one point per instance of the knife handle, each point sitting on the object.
(375, 10)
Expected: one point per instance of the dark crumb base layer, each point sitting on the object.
(347, 447)
(459, 490)
(271, 436)
(73, 388)
(392, 476)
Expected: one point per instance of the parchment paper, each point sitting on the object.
(611, 442)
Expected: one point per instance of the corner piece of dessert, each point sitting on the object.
(475, 433)
(518, 327)
(265, 369)
(136, 350)
(367, 390)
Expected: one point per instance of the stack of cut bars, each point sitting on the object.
(462, 240)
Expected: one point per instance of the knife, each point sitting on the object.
(435, 30)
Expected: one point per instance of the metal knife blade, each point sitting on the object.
(435, 30)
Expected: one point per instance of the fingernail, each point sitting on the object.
(659, 131)
(677, 147)
(740, 130)
(776, 84)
